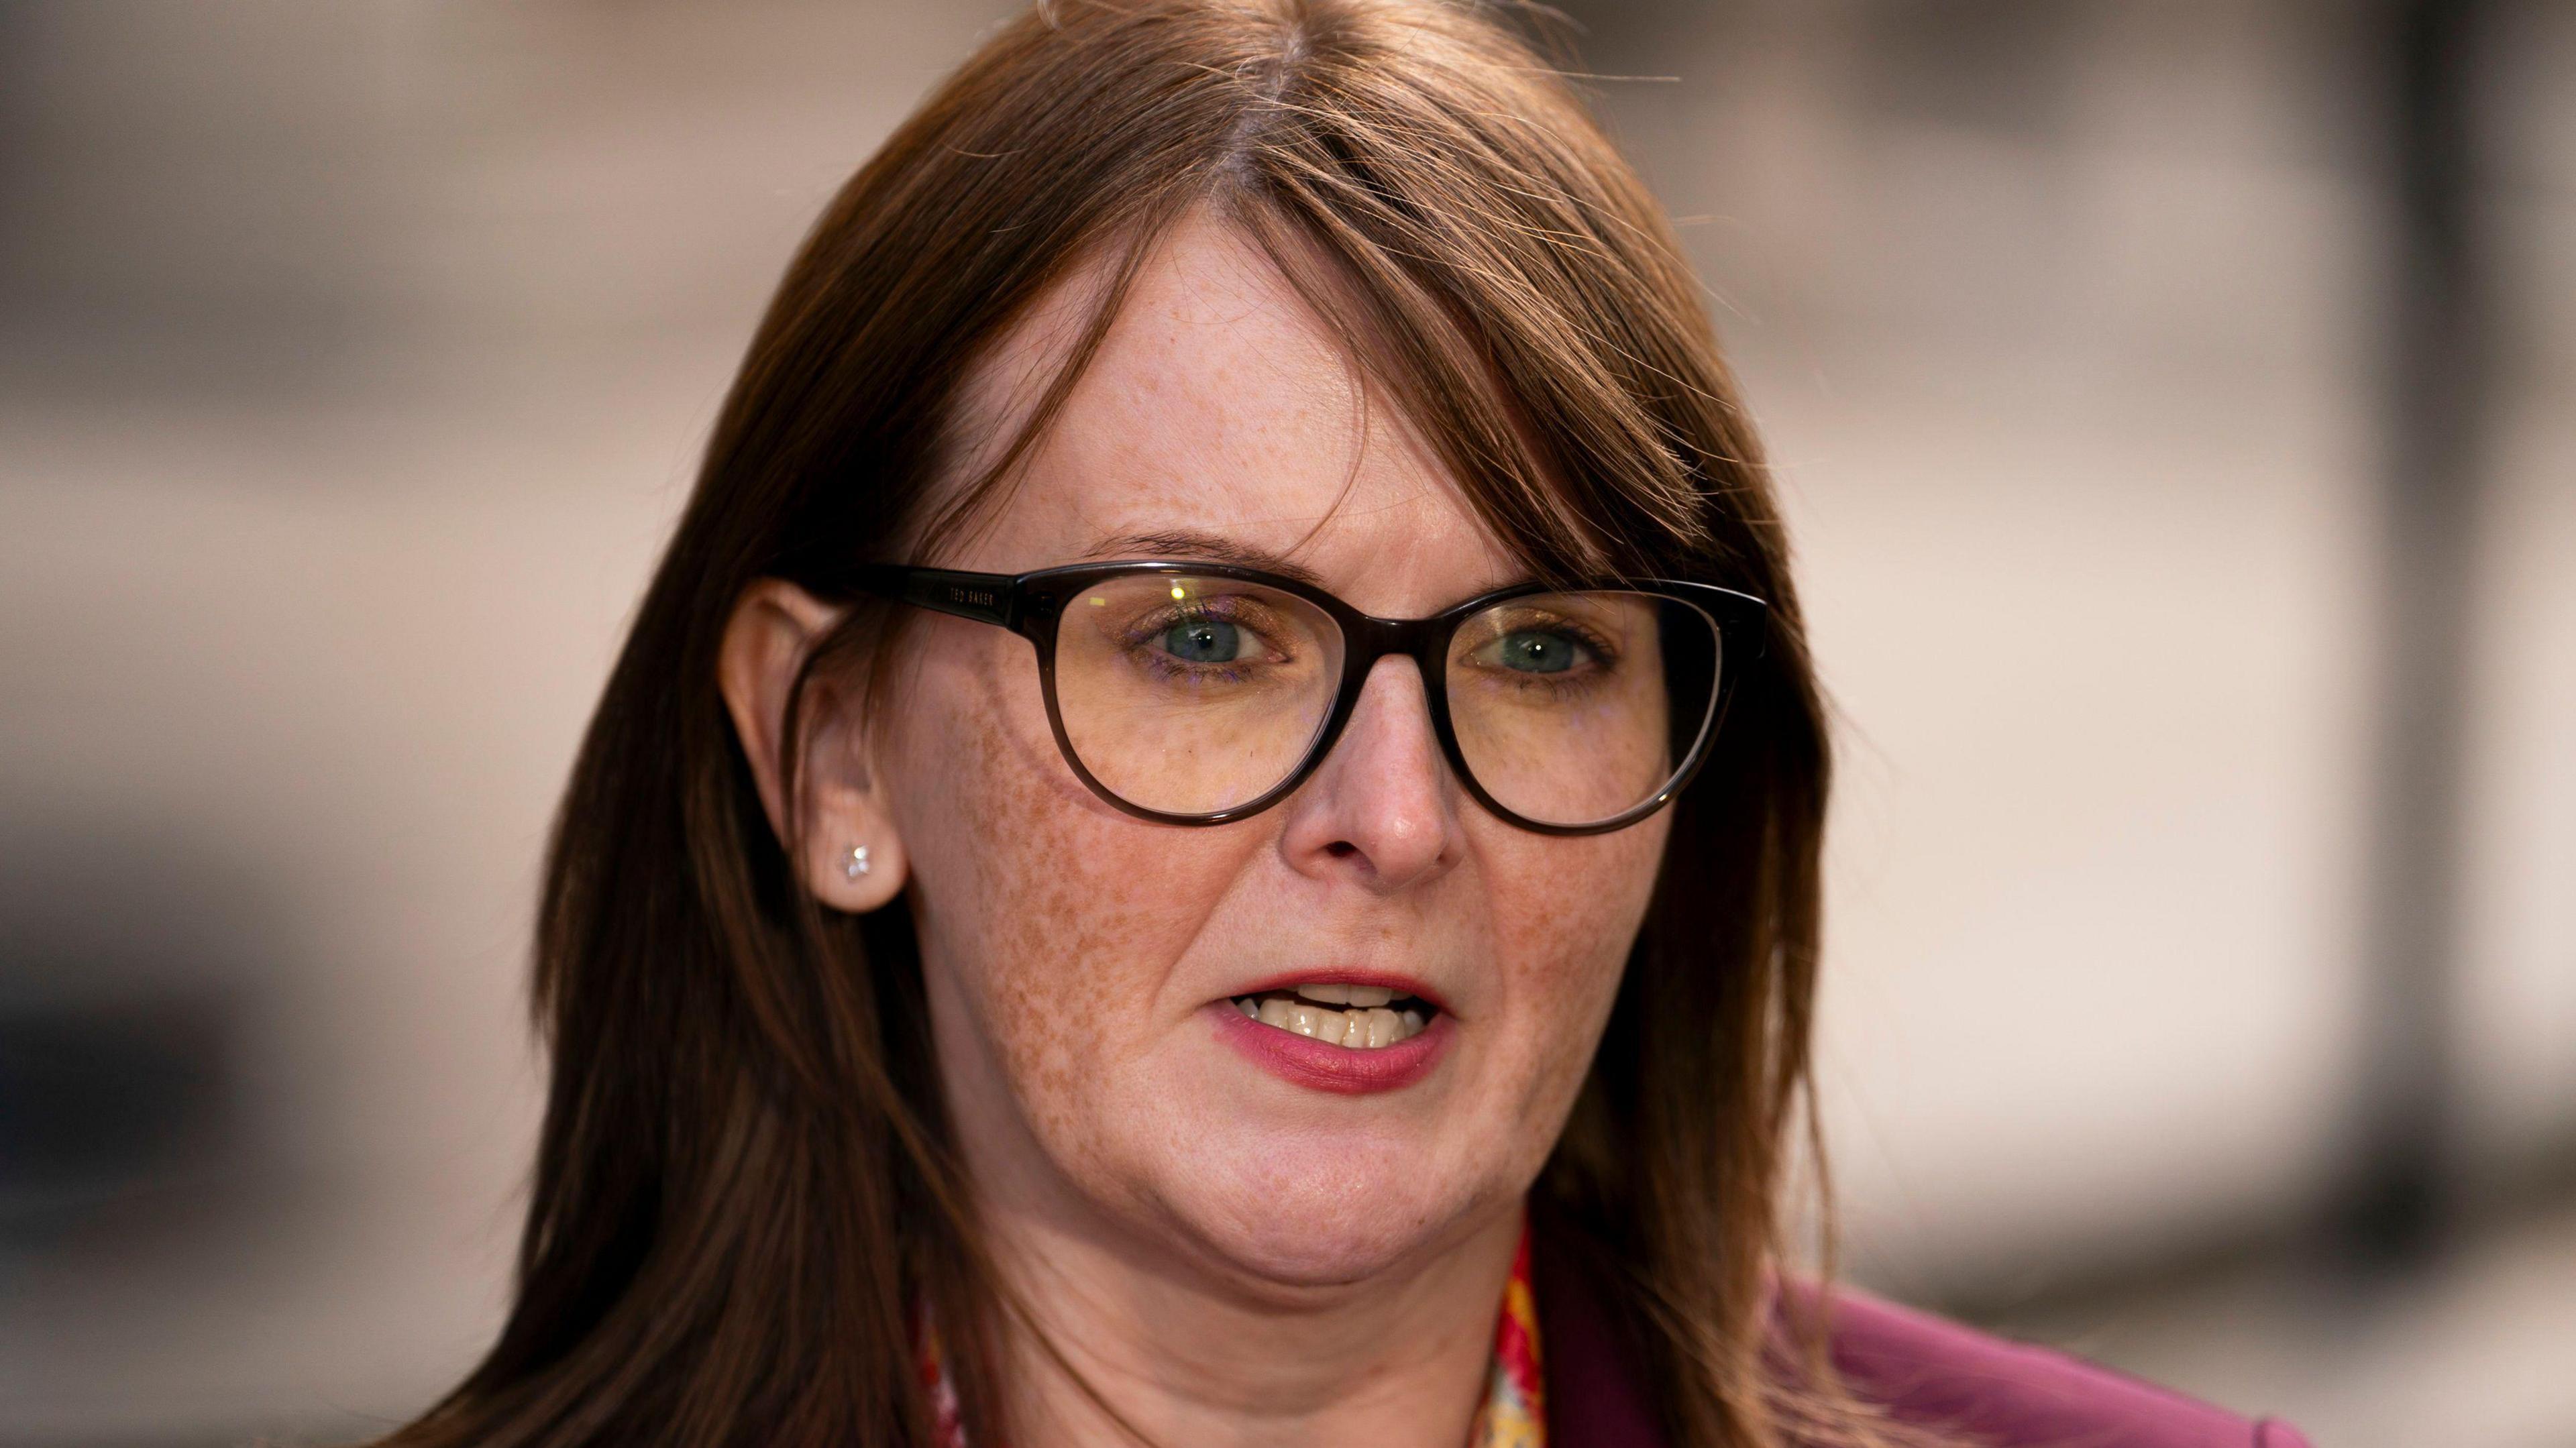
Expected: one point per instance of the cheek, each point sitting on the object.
(1565, 915)
(1053, 917)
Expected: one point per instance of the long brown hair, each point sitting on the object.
(745, 1187)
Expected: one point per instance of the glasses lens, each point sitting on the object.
(1573, 708)
(1193, 695)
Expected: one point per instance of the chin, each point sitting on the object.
(1294, 1221)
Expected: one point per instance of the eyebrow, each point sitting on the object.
(1205, 547)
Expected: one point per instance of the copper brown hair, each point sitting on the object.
(745, 1190)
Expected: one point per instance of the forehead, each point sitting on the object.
(1220, 406)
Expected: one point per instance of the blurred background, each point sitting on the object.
(2176, 405)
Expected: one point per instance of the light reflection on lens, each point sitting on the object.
(1167, 731)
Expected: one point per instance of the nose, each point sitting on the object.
(1382, 808)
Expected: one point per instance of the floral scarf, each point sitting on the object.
(1513, 1414)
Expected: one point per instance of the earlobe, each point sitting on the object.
(774, 628)
(856, 872)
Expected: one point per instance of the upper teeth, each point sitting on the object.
(1367, 1024)
(1334, 993)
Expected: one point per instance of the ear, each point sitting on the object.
(839, 806)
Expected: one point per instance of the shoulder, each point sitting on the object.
(1922, 1370)
(1930, 1371)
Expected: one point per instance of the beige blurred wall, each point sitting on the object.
(2069, 353)
(352, 364)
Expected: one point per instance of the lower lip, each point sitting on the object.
(1317, 1065)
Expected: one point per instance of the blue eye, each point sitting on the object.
(1532, 652)
(1203, 641)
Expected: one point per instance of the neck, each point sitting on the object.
(1189, 1355)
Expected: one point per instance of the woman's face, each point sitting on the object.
(1084, 966)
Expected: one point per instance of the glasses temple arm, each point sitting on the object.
(984, 597)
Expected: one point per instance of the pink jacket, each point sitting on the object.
(1923, 1369)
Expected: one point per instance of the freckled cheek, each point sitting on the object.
(1054, 912)
(1566, 913)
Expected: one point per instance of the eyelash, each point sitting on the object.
(1603, 654)
(1142, 633)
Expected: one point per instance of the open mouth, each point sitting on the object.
(1361, 1017)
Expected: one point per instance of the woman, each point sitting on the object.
(1220, 777)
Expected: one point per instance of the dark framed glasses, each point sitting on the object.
(1201, 693)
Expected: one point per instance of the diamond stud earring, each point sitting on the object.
(857, 864)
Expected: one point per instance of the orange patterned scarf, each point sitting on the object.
(1513, 1415)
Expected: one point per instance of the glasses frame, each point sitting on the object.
(1032, 604)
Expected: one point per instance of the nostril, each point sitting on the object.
(1341, 849)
